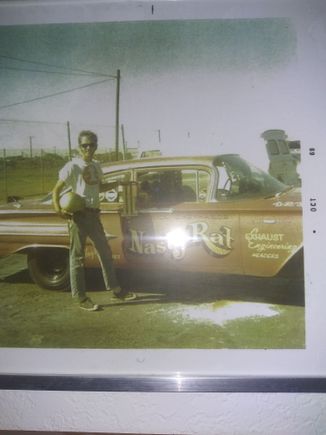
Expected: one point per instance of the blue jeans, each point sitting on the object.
(87, 224)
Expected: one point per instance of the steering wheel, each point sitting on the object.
(227, 185)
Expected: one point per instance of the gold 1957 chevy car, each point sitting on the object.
(212, 214)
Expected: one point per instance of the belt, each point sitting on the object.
(92, 210)
(87, 210)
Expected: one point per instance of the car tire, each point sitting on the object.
(49, 268)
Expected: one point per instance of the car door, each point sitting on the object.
(178, 226)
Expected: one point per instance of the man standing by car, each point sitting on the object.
(84, 176)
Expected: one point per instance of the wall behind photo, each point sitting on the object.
(164, 413)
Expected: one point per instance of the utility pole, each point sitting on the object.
(159, 136)
(123, 141)
(69, 140)
(31, 146)
(42, 170)
(117, 110)
(5, 174)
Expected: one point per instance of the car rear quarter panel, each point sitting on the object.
(270, 235)
(20, 231)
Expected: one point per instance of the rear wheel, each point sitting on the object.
(49, 268)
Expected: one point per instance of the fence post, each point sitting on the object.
(69, 140)
(42, 170)
(5, 174)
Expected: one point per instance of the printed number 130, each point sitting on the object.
(313, 204)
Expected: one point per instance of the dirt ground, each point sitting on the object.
(168, 313)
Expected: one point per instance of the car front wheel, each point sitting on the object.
(49, 268)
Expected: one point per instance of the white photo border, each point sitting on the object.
(297, 370)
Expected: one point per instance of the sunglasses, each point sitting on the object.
(86, 145)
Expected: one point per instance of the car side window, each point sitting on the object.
(232, 183)
(166, 187)
(238, 180)
(114, 195)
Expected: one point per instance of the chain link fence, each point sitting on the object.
(23, 177)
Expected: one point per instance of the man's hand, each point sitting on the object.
(63, 214)
(56, 200)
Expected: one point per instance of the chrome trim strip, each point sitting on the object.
(25, 233)
(156, 210)
(21, 211)
(32, 229)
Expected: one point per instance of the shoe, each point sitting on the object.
(125, 296)
(88, 305)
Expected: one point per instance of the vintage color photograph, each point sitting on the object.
(150, 186)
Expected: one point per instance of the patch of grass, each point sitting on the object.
(28, 178)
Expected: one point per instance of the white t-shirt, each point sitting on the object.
(84, 178)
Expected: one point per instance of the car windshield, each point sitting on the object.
(239, 179)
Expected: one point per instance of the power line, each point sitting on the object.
(49, 72)
(26, 121)
(55, 66)
(30, 121)
(93, 125)
(53, 95)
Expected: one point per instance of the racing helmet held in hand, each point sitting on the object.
(71, 202)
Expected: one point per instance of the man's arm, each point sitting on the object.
(56, 197)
